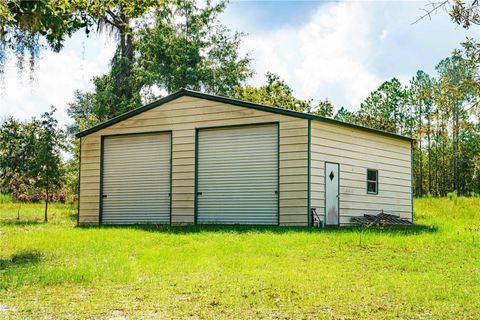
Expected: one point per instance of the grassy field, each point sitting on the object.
(58, 270)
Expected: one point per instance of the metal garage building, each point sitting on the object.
(197, 158)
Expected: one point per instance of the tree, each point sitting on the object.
(438, 112)
(180, 46)
(467, 15)
(26, 25)
(386, 108)
(82, 110)
(421, 98)
(346, 116)
(17, 140)
(470, 54)
(463, 13)
(187, 47)
(275, 93)
(324, 109)
(454, 72)
(46, 168)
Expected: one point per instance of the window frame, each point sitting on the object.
(373, 181)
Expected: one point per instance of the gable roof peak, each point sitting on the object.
(196, 94)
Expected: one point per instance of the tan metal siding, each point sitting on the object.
(182, 116)
(356, 151)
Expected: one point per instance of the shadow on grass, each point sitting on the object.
(188, 229)
(15, 222)
(73, 216)
(20, 259)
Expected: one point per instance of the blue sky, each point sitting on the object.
(340, 50)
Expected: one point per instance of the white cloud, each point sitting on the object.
(58, 75)
(339, 50)
(384, 34)
(328, 53)
(345, 50)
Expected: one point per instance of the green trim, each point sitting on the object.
(102, 146)
(130, 114)
(79, 177)
(278, 173)
(100, 209)
(196, 179)
(309, 217)
(325, 194)
(339, 175)
(378, 181)
(171, 174)
(236, 126)
(195, 94)
(411, 176)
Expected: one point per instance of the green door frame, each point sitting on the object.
(236, 126)
(102, 146)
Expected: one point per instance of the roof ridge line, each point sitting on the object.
(196, 94)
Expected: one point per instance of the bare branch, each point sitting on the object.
(435, 6)
(473, 106)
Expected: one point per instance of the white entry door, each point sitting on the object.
(332, 175)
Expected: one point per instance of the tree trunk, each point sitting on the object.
(445, 184)
(455, 149)
(437, 191)
(438, 162)
(444, 162)
(123, 65)
(420, 155)
(46, 194)
(429, 159)
(420, 164)
(46, 204)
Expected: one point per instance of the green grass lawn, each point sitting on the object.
(58, 270)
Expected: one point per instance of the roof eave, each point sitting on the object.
(362, 128)
(131, 113)
(195, 94)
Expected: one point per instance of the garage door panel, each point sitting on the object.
(232, 188)
(136, 179)
(121, 201)
(238, 175)
(235, 219)
(227, 182)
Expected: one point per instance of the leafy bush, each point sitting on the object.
(450, 195)
(453, 196)
(5, 198)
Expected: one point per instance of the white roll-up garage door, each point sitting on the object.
(136, 179)
(237, 180)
